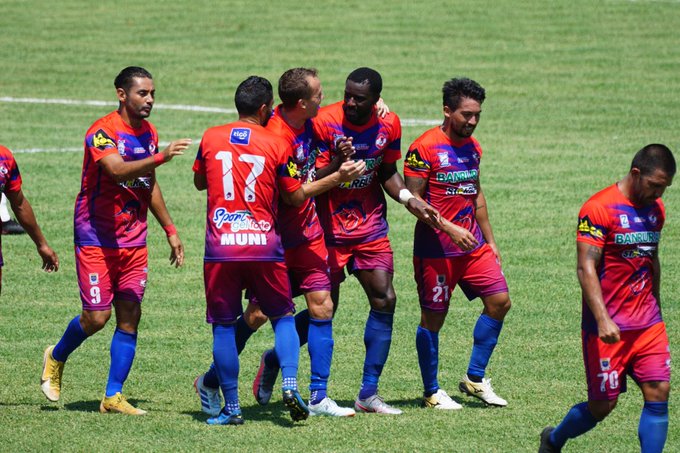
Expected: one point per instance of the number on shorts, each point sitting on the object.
(440, 291)
(228, 177)
(95, 294)
(611, 378)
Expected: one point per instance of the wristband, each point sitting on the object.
(158, 159)
(404, 196)
(170, 230)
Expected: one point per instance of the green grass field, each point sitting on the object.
(574, 88)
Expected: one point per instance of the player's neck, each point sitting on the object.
(252, 119)
(449, 132)
(132, 121)
(625, 186)
(293, 118)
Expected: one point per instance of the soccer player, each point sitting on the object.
(10, 186)
(353, 215)
(442, 167)
(617, 240)
(244, 167)
(305, 255)
(118, 187)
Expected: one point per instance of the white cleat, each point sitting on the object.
(330, 408)
(211, 401)
(481, 390)
(375, 404)
(441, 400)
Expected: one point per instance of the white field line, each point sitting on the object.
(191, 108)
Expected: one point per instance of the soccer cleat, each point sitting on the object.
(375, 403)
(223, 418)
(263, 385)
(211, 401)
(329, 407)
(481, 390)
(50, 381)
(546, 446)
(441, 400)
(117, 403)
(12, 227)
(293, 401)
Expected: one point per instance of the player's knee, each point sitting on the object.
(601, 409)
(384, 303)
(254, 318)
(497, 306)
(94, 321)
(321, 308)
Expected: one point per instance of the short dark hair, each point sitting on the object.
(124, 78)
(293, 85)
(654, 157)
(456, 89)
(251, 94)
(363, 75)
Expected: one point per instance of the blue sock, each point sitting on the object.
(377, 339)
(427, 346)
(653, 427)
(485, 336)
(123, 347)
(226, 360)
(287, 347)
(320, 355)
(578, 421)
(74, 335)
(302, 326)
(243, 333)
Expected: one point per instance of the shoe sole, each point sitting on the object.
(298, 412)
(46, 392)
(463, 389)
(104, 410)
(365, 410)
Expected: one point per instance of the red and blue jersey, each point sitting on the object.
(451, 169)
(629, 237)
(298, 224)
(245, 166)
(356, 212)
(107, 213)
(10, 178)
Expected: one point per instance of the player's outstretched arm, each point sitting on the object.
(344, 150)
(482, 216)
(588, 259)
(120, 170)
(394, 185)
(348, 172)
(25, 216)
(160, 211)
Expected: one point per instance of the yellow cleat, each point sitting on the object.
(50, 381)
(118, 403)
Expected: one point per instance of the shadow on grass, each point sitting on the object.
(93, 405)
(275, 413)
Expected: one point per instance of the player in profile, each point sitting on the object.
(623, 334)
(10, 186)
(244, 167)
(442, 167)
(305, 255)
(353, 215)
(118, 187)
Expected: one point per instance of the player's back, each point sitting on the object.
(240, 161)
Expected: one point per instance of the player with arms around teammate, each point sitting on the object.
(617, 240)
(118, 187)
(442, 167)
(10, 186)
(244, 168)
(305, 254)
(354, 215)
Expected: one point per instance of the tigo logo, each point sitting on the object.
(240, 136)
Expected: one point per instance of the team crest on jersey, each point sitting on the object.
(652, 219)
(240, 136)
(101, 140)
(443, 159)
(441, 279)
(138, 150)
(380, 141)
(94, 279)
(414, 161)
(624, 221)
(291, 168)
(152, 148)
(605, 364)
(586, 227)
(3, 170)
(121, 147)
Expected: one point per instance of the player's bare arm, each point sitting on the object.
(394, 185)
(120, 170)
(200, 181)
(588, 259)
(25, 216)
(348, 172)
(482, 216)
(160, 211)
(344, 150)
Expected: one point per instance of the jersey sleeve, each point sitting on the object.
(393, 149)
(593, 224)
(415, 166)
(287, 175)
(199, 162)
(100, 143)
(13, 177)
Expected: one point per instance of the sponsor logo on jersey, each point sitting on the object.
(243, 239)
(463, 189)
(641, 237)
(361, 146)
(462, 160)
(624, 221)
(380, 141)
(443, 159)
(359, 183)
(457, 176)
(121, 147)
(300, 153)
(605, 364)
(101, 140)
(239, 221)
(641, 251)
(94, 279)
(240, 136)
(143, 182)
(138, 150)
(586, 227)
(291, 168)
